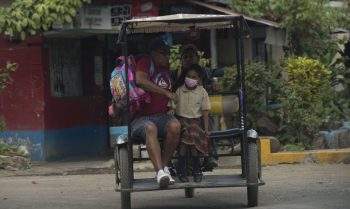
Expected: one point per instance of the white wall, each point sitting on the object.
(227, 51)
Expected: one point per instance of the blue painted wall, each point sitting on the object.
(33, 140)
(61, 143)
(83, 140)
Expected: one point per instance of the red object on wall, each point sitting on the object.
(193, 34)
(145, 8)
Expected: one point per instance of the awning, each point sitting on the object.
(230, 12)
(180, 22)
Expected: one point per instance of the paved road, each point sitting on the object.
(303, 186)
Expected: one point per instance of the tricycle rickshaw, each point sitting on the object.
(248, 139)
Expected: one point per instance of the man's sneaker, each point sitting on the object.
(167, 171)
(163, 179)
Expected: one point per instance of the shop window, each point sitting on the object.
(65, 67)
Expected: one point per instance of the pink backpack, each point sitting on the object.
(118, 87)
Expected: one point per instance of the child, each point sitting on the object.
(193, 104)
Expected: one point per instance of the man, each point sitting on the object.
(152, 122)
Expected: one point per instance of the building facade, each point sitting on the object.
(57, 104)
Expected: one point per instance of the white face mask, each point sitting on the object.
(191, 82)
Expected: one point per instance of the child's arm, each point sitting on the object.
(205, 120)
(171, 107)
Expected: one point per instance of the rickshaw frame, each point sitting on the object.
(249, 141)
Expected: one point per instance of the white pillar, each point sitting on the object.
(213, 49)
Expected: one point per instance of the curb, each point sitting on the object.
(312, 156)
(105, 166)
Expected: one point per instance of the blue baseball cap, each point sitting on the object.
(159, 44)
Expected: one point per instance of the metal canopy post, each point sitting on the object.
(123, 40)
(243, 111)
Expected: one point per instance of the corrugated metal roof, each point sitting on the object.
(230, 12)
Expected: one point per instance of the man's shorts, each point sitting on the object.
(139, 125)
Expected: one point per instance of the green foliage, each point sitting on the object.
(259, 78)
(28, 17)
(342, 15)
(293, 147)
(6, 79)
(339, 108)
(6, 149)
(308, 23)
(2, 124)
(204, 62)
(313, 97)
(174, 58)
(304, 98)
(308, 101)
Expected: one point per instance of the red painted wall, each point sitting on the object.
(27, 103)
(91, 108)
(22, 102)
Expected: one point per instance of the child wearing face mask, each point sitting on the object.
(192, 105)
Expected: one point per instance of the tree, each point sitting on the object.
(29, 17)
(308, 23)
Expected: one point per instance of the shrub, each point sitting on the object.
(6, 149)
(304, 106)
(293, 147)
(262, 84)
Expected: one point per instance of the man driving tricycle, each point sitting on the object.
(151, 122)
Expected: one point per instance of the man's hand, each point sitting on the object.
(172, 96)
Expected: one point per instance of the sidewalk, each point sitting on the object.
(89, 165)
(105, 165)
(86, 165)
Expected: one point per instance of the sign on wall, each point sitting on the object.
(108, 17)
(95, 17)
(120, 13)
(145, 8)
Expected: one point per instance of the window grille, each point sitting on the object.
(65, 67)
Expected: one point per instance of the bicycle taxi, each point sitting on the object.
(248, 140)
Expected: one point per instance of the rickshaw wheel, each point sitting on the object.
(252, 177)
(125, 177)
(189, 192)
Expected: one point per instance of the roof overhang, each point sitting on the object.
(181, 22)
(230, 12)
